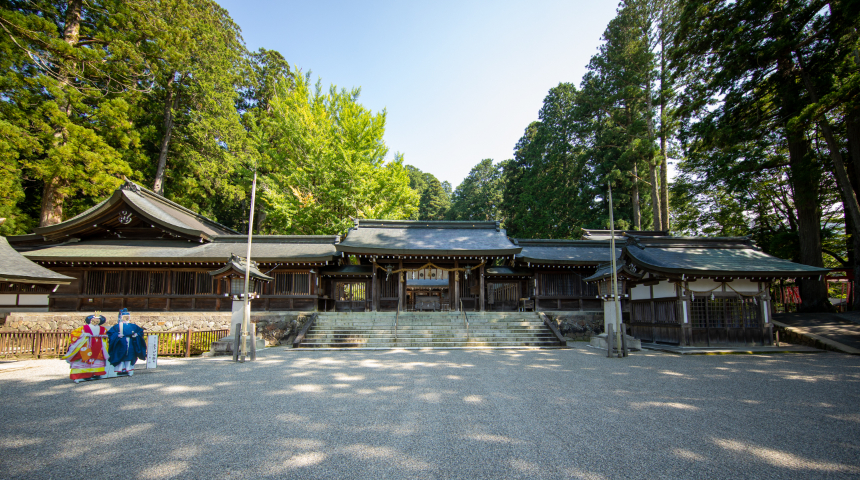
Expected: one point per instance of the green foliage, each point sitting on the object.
(479, 196)
(325, 162)
(434, 196)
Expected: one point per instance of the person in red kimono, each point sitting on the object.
(88, 352)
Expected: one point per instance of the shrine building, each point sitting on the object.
(140, 251)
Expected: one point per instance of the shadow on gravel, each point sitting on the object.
(440, 414)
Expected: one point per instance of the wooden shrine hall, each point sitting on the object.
(140, 251)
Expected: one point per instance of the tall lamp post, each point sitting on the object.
(615, 299)
(246, 312)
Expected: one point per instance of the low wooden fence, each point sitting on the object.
(54, 344)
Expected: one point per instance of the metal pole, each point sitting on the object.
(614, 273)
(246, 317)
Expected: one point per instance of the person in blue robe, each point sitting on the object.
(125, 344)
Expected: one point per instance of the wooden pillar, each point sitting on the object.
(81, 289)
(218, 283)
(401, 286)
(374, 290)
(481, 297)
(169, 289)
(456, 295)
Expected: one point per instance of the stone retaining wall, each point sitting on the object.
(578, 325)
(271, 326)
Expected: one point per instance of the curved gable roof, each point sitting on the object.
(149, 205)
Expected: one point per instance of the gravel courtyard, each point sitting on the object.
(439, 414)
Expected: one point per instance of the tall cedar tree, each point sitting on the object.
(743, 85)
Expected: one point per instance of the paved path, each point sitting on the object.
(837, 327)
(439, 414)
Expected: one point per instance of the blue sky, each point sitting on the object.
(460, 80)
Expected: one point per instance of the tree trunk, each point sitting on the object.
(805, 178)
(52, 204)
(852, 124)
(158, 185)
(655, 197)
(637, 215)
(652, 167)
(664, 172)
(52, 198)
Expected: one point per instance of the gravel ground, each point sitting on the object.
(439, 414)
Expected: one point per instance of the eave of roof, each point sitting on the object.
(565, 252)
(712, 257)
(283, 249)
(14, 267)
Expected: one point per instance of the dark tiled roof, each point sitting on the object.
(699, 256)
(149, 205)
(17, 268)
(500, 271)
(593, 234)
(264, 249)
(239, 265)
(363, 270)
(565, 252)
(402, 237)
(605, 271)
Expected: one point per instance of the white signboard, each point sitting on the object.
(151, 351)
(109, 371)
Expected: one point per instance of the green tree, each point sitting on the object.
(327, 162)
(195, 134)
(747, 101)
(435, 201)
(70, 73)
(479, 196)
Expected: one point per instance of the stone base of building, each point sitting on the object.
(599, 341)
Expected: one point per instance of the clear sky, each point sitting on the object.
(461, 80)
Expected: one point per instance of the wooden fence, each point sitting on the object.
(54, 344)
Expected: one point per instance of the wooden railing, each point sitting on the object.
(54, 344)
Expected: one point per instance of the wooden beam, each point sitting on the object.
(456, 295)
(481, 297)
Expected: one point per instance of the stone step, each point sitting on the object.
(419, 323)
(429, 336)
(431, 345)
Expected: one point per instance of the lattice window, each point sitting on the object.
(193, 283)
(642, 312)
(104, 282)
(146, 283)
(350, 291)
(469, 287)
(292, 284)
(665, 311)
(565, 284)
(502, 293)
(724, 312)
(388, 288)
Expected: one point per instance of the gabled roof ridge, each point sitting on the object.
(377, 223)
(692, 242)
(298, 239)
(152, 196)
(548, 242)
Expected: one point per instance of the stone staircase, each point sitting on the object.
(429, 330)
